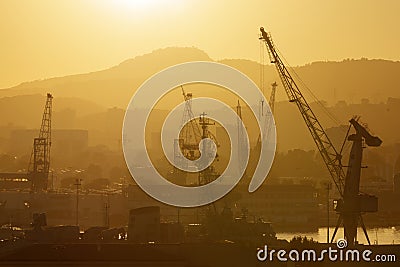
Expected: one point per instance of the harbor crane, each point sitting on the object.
(39, 165)
(194, 129)
(352, 203)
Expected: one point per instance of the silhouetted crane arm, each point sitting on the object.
(328, 152)
(370, 140)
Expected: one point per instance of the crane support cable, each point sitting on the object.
(326, 111)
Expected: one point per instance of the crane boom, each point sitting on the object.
(328, 152)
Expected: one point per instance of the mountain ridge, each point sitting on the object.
(331, 81)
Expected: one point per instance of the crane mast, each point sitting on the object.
(271, 101)
(328, 152)
(354, 203)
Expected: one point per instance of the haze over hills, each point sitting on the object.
(27, 110)
(349, 80)
(96, 101)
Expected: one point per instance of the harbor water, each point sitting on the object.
(389, 235)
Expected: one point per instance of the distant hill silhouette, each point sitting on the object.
(113, 86)
(350, 80)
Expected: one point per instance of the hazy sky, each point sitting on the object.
(47, 38)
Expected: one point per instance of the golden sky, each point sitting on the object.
(48, 38)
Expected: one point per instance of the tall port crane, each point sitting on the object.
(352, 203)
(39, 165)
(193, 131)
(189, 137)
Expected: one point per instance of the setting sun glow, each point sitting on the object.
(142, 5)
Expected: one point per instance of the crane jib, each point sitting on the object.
(353, 203)
(321, 139)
